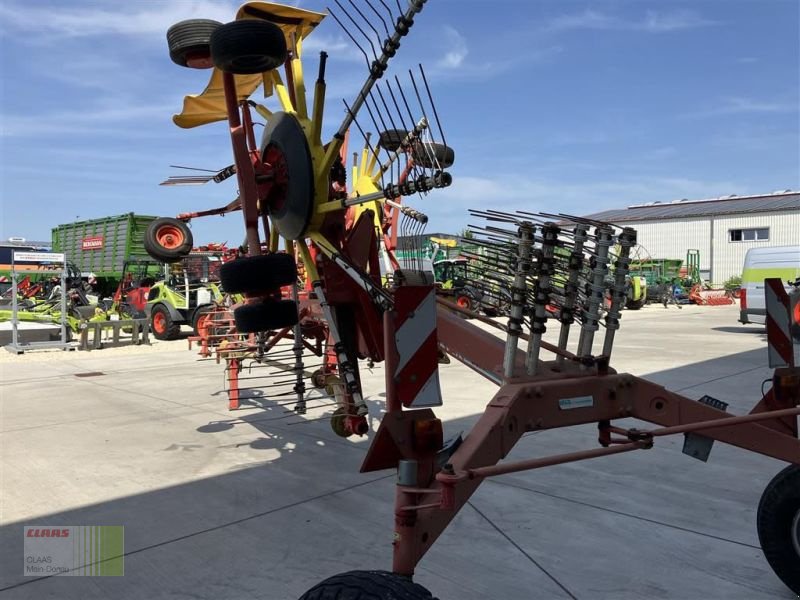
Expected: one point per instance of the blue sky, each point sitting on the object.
(554, 105)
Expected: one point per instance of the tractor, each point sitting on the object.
(185, 294)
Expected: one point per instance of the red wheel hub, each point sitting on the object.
(276, 162)
(169, 237)
(199, 60)
(463, 302)
(159, 322)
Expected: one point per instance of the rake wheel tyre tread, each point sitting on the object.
(258, 274)
(154, 238)
(266, 316)
(432, 155)
(367, 585)
(777, 511)
(170, 329)
(191, 39)
(248, 47)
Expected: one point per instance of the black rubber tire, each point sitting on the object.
(157, 250)
(392, 138)
(635, 304)
(367, 585)
(291, 203)
(248, 47)
(199, 312)
(172, 329)
(266, 316)
(777, 511)
(258, 274)
(432, 155)
(191, 40)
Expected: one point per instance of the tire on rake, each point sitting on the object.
(190, 43)
(779, 526)
(266, 316)
(391, 139)
(367, 585)
(168, 240)
(432, 155)
(248, 47)
(258, 274)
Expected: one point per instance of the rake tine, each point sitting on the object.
(361, 31)
(347, 32)
(433, 104)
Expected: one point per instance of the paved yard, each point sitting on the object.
(254, 504)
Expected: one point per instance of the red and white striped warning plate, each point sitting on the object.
(417, 372)
(779, 340)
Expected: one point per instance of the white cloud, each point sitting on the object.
(88, 119)
(734, 105)
(456, 49)
(652, 22)
(337, 47)
(656, 22)
(131, 19)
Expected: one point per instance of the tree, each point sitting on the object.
(466, 234)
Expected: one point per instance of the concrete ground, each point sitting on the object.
(262, 504)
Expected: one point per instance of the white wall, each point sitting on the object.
(784, 230)
(671, 239)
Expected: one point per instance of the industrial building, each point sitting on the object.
(723, 229)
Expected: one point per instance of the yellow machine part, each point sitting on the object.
(209, 106)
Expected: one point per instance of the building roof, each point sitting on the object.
(684, 209)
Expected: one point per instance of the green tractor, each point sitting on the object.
(453, 281)
(450, 275)
(186, 295)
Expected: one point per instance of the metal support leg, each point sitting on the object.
(591, 314)
(297, 349)
(518, 297)
(626, 240)
(571, 290)
(541, 296)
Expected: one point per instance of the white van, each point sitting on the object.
(782, 262)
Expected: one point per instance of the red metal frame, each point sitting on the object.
(423, 510)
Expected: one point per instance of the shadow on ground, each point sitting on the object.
(651, 524)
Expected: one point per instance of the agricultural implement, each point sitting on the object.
(293, 186)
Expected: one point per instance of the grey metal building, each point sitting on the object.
(722, 229)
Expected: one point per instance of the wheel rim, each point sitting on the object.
(159, 323)
(169, 237)
(463, 302)
(796, 533)
(202, 322)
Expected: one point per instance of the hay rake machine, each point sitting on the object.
(294, 186)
